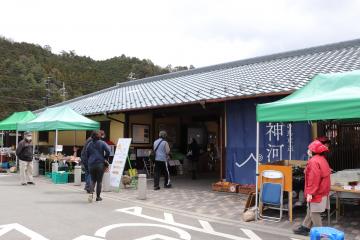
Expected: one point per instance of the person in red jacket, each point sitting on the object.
(317, 187)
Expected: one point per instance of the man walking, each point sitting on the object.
(24, 152)
(162, 151)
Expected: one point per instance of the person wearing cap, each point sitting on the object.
(324, 140)
(162, 150)
(24, 152)
(317, 187)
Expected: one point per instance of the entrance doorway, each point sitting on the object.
(203, 123)
(193, 123)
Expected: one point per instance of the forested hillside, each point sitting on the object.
(32, 76)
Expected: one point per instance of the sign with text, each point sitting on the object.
(118, 164)
(277, 141)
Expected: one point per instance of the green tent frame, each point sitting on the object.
(331, 96)
(59, 118)
(326, 96)
(12, 122)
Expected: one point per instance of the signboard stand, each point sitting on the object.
(119, 161)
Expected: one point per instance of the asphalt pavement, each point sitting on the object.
(49, 211)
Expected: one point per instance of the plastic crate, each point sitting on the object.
(225, 187)
(318, 233)
(5, 165)
(48, 174)
(246, 189)
(60, 177)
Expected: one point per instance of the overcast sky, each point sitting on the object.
(179, 32)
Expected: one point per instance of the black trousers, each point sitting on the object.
(96, 173)
(161, 168)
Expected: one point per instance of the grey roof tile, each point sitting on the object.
(275, 73)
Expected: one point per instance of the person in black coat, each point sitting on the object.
(193, 156)
(97, 152)
(24, 152)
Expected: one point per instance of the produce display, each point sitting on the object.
(7, 151)
(56, 158)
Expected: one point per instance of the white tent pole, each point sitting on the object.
(16, 146)
(56, 140)
(290, 140)
(2, 145)
(33, 143)
(257, 171)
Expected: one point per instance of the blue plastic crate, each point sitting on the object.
(5, 165)
(318, 233)
(48, 174)
(60, 177)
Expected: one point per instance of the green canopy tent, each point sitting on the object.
(59, 118)
(332, 96)
(11, 123)
(326, 96)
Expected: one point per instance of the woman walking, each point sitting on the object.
(317, 187)
(97, 152)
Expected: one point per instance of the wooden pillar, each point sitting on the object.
(126, 133)
(222, 142)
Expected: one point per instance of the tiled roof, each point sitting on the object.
(267, 75)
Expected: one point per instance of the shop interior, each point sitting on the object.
(182, 124)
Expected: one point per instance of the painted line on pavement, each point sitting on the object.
(169, 217)
(251, 234)
(206, 225)
(182, 234)
(20, 228)
(134, 211)
(252, 226)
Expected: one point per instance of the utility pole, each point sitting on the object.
(63, 92)
(47, 89)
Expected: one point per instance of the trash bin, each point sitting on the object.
(55, 167)
(77, 176)
(106, 181)
(35, 168)
(142, 187)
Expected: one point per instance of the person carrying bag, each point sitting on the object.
(161, 155)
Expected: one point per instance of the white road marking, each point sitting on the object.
(169, 217)
(135, 210)
(206, 226)
(250, 234)
(27, 232)
(84, 237)
(157, 237)
(182, 234)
